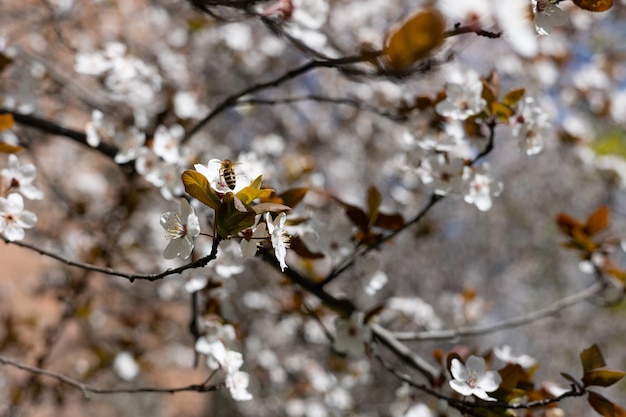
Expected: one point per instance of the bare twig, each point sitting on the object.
(87, 388)
(505, 324)
(55, 129)
(202, 262)
(232, 100)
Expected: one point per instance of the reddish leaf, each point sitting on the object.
(605, 407)
(568, 224)
(5, 61)
(602, 377)
(8, 148)
(389, 221)
(356, 215)
(6, 121)
(373, 203)
(414, 39)
(591, 359)
(594, 5)
(598, 221)
(293, 196)
(510, 374)
(297, 245)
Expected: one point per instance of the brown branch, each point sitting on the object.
(232, 100)
(200, 263)
(505, 324)
(55, 129)
(87, 388)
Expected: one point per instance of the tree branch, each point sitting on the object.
(232, 100)
(505, 324)
(55, 129)
(87, 388)
(202, 262)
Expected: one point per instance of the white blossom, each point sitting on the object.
(480, 187)
(278, 234)
(19, 177)
(462, 100)
(13, 218)
(547, 16)
(473, 379)
(532, 126)
(180, 230)
(351, 335)
(505, 354)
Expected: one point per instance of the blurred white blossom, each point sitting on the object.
(19, 177)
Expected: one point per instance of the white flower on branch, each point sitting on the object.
(547, 16)
(280, 238)
(505, 354)
(532, 127)
(19, 177)
(351, 335)
(480, 187)
(473, 379)
(180, 230)
(13, 218)
(462, 100)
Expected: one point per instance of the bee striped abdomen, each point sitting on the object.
(228, 173)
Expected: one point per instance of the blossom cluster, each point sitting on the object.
(16, 182)
(214, 344)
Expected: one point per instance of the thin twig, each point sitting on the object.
(55, 129)
(202, 262)
(231, 100)
(87, 388)
(505, 324)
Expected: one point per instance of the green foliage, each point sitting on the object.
(613, 143)
(198, 187)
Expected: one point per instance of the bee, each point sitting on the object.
(227, 170)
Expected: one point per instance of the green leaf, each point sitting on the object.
(501, 111)
(198, 187)
(613, 143)
(569, 378)
(488, 93)
(257, 182)
(602, 377)
(591, 358)
(513, 97)
(604, 407)
(232, 216)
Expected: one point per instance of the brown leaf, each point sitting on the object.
(598, 221)
(415, 39)
(594, 5)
